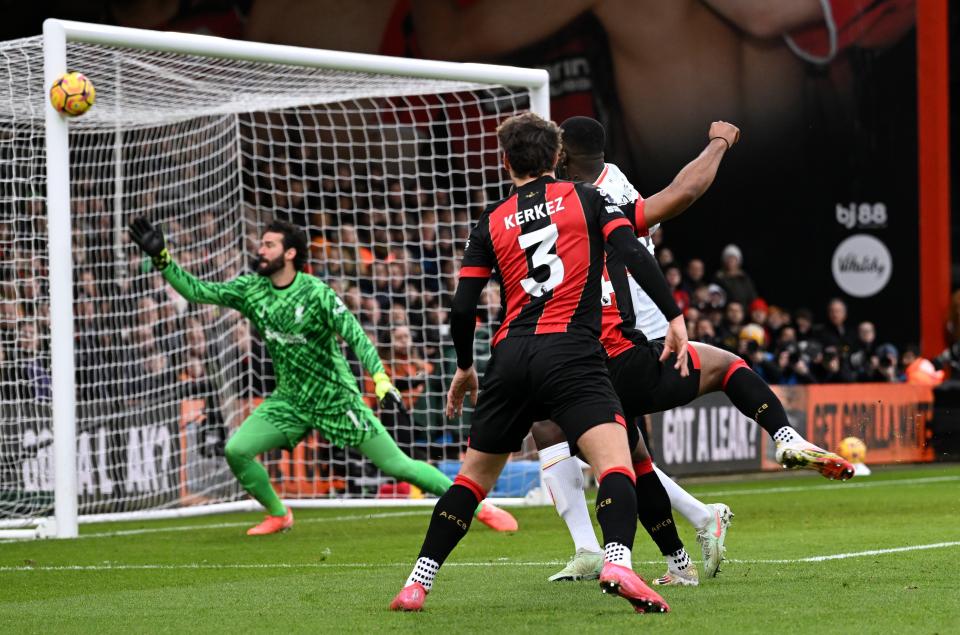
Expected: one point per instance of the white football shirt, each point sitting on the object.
(614, 185)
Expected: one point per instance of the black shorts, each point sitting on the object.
(559, 376)
(645, 384)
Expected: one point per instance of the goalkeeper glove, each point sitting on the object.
(387, 393)
(150, 240)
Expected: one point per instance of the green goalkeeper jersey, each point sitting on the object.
(299, 325)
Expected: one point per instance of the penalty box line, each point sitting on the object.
(503, 562)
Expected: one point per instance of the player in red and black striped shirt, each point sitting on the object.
(546, 241)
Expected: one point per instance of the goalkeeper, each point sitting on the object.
(299, 317)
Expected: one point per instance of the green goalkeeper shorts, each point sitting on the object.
(349, 428)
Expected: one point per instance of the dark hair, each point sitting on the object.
(293, 238)
(531, 144)
(583, 136)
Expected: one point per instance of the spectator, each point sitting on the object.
(787, 337)
(729, 332)
(887, 359)
(832, 367)
(700, 297)
(717, 296)
(734, 279)
(777, 319)
(674, 278)
(664, 256)
(835, 331)
(32, 375)
(863, 356)
(694, 275)
(410, 373)
(793, 367)
(706, 332)
(803, 320)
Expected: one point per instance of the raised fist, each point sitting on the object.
(726, 131)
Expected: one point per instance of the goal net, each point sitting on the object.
(386, 170)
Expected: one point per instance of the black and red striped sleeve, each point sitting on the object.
(608, 215)
(634, 213)
(479, 259)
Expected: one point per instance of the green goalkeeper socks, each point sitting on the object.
(385, 454)
(254, 437)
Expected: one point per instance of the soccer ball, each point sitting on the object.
(72, 94)
(853, 450)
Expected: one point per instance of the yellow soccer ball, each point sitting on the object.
(72, 94)
(853, 450)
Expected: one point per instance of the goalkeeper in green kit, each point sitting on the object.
(299, 318)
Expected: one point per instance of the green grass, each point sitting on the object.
(338, 569)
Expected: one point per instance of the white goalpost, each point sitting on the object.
(117, 395)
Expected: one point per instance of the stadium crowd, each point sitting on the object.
(389, 248)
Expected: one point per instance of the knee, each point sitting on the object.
(640, 452)
(235, 453)
(546, 434)
(713, 374)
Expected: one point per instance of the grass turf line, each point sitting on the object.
(911, 591)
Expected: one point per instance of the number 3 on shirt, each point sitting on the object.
(545, 239)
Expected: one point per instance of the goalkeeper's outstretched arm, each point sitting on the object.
(347, 326)
(150, 240)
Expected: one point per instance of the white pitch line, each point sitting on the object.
(826, 486)
(322, 519)
(384, 565)
(426, 511)
(856, 554)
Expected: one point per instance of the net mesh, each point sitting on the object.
(386, 174)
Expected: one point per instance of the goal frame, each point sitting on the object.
(56, 35)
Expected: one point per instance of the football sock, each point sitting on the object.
(423, 572)
(786, 434)
(254, 437)
(618, 553)
(564, 480)
(753, 397)
(696, 513)
(391, 460)
(653, 509)
(450, 521)
(617, 514)
(678, 561)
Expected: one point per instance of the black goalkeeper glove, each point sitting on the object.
(150, 240)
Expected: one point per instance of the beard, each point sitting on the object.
(269, 267)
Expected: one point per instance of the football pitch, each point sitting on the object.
(875, 555)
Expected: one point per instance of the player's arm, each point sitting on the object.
(348, 327)
(475, 270)
(644, 269)
(619, 232)
(464, 31)
(693, 180)
(150, 240)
